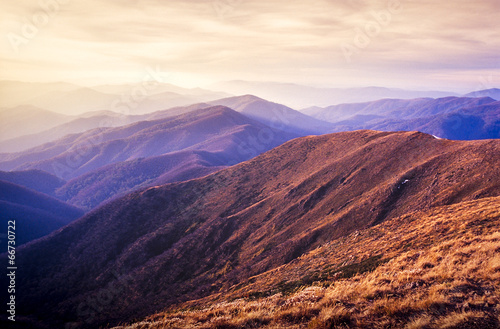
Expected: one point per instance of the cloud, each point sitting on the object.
(297, 41)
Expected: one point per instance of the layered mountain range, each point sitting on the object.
(26, 127)
(181, 241)
(217, 129)
(121, 153)
(122, 215)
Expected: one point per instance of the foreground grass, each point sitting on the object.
(435, 269)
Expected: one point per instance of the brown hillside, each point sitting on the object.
(431, 269)
(187, 240)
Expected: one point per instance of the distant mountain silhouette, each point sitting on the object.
(80, 124)
(88, 99)
(27, 119)
(35, 213)
(493, 93)
(89, 121)
(400, 109)
(30, 111)
(460, 118)
(300, 96)
(16, 93)
(275, 115)
(127, 99)
(181, 241)
(75, 101)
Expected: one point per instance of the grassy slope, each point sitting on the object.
(434, 269)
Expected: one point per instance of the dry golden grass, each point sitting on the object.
(441, 270)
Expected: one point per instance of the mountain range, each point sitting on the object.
(218, 129)
(462, 118)
(25, 119)
(181, 241)
(79, 124)
(402, 109)
(128, 99)
(300, 96)
(172, 145)
(384, 114)
(271, 114)
(146, 153)
(37, 180)
(92, 189)
(492, 92)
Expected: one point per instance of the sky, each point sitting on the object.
(412, 44)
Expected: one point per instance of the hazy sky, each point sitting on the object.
(419, 44)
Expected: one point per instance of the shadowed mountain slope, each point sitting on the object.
(480, 122)
(91, 189)
(182, 241)
(35, 213)
(34, 179)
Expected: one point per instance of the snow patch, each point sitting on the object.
(403, 183)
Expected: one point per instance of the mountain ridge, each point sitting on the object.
(103, 184)
(455, 118)
(301, 96)
(275, 115)
(213, 129)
